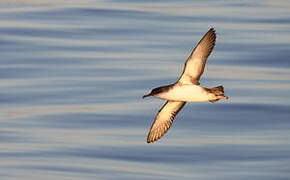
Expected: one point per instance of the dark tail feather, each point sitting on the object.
(219, 92)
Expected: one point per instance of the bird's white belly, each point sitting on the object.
(192, 93)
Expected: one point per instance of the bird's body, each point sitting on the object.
(186, 89)
(187, 93)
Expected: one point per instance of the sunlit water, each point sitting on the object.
(72, 74)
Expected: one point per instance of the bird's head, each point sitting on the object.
(155, 91)
(147, 95)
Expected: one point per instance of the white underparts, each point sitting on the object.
(189, 93)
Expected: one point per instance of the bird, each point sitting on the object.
(186, 89)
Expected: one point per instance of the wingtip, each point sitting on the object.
(151, 140)
(211, 29)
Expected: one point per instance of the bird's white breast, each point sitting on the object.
(192, 93)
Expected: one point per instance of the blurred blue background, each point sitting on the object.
(72, 74)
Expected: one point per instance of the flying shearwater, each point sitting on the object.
(186, 89)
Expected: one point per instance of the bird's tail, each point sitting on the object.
(219, 93)
(219, 90)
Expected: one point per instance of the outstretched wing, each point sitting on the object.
(164, 119)
(194, 65)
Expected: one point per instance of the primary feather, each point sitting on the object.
(164, 120)
(194, 65)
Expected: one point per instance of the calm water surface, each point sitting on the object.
(72, 74)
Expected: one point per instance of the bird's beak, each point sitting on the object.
(147, 95)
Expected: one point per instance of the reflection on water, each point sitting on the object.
(73, 73)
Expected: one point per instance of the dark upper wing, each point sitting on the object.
(164, 119)
(194, 65)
